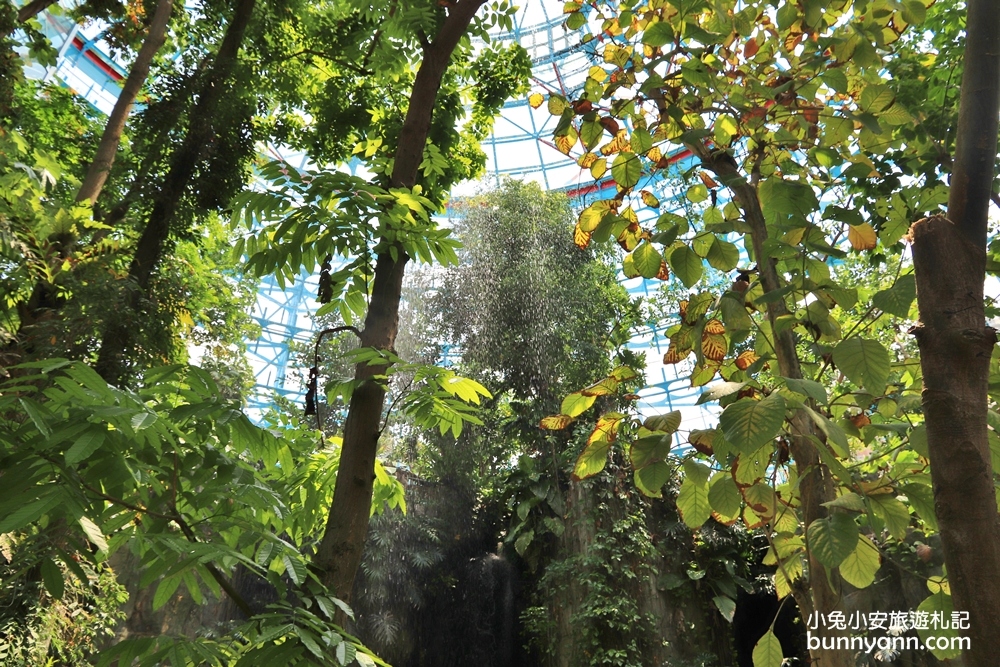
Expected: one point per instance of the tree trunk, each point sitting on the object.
(339, 553)
(816, 484)
(33, 9)
(118, 335)
(949, 256)
(104, 158)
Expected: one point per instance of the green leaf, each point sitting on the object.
(592, 459)
(892, 512)
(749, 424)
(876, 97)
(164, 590)
(576, 404)
(142, 420)
(94, 534)
(859, 568)
(692, 503)
(813, 390)
(646, 259)
(941, 603)
(865, 362)
(658, 34)
(52, 578)
(832, 539)
(767, 652)
(897, 299)
(30, 511)
(668, 423)
(836, 131)
(726, 606)
(37, 413)
(650, 478)
(724, 496)
(686, 265)
(294, 568)
(523, 541)
(626, 170)
(848, 501)
(86, 444)
(723, 255)
(834, 434)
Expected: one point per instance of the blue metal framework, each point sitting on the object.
(520, 146)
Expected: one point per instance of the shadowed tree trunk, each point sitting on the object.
(33, 9)
(104, 158)
(816, 484)
(339, 553)
(118, 335)
(949, 256)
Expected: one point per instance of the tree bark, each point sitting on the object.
(104, 158)
(949, 256)
(339, 554)
(119, 335)
(33, 9)
(816, 484)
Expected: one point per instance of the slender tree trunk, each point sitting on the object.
(33, 9)
(816, 485)
(104, 158)
(118, 335)
(339, 553)
(949, 256)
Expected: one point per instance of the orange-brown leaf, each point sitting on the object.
(663, 273)
(707, 180)
(630, 237)
(555, 422)
(751, 48)
(746, 360)
(675, 356)
(714, 327)
(714, 346)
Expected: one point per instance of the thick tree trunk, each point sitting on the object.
(118, 336)
(33, 8)
(816, 484)
(339, 553)
(949, 256)
(104, 158)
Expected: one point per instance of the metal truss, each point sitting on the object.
(520, 146)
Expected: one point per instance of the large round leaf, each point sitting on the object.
(646, 259)
(833, 539)
(859, 568)
(692, 503)
(749, 424)
(767, 652)
(864, 361)
(626, 170)
(686, 265)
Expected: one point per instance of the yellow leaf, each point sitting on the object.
(714, 327)
(746, 359)
(714, 346)
(649, 199)
(862, 237)
(587, 160)
(535, 100)
(598, 168)
(580, 237)
(556, 422)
